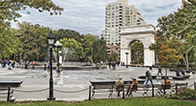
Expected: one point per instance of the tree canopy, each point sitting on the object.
(9, 11)
(177, 31)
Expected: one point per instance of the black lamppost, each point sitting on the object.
(126, 52)
(58, 45)
(51, 40)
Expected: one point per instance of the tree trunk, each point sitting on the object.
(37, 57)
(187, 61)
(165, 73)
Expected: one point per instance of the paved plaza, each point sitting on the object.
(70, 85)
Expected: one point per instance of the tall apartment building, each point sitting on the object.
(118, 15)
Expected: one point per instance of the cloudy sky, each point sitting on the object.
(88, 16)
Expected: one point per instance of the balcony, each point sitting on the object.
(120, 13)
(121, 16)
(120, 10)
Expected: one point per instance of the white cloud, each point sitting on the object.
(88, 16)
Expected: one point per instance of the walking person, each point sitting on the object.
(109, 64)
(28, 65)
(45, 73)
(48, 65)
(31, 65)
(159, 70)
(149, 76)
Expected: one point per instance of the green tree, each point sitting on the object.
(61, 33)
(136, 50)
(27, 35)
(87, 43)
(167, 57)
(99, 49)
(75, 47)
(113, 57)
(8, 12)
(177, 31)
(8, 43)
(41, 46)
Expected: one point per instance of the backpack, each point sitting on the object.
(147, 73)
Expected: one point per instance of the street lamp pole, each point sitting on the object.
(51, 39)
(126, 52)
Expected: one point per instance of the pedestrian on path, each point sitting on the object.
(159, 70)
(31, 65)
(149, 76)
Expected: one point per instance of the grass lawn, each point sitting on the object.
(156, 101)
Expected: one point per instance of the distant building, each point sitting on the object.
(119, 14)
(114, 49)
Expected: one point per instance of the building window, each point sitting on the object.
(109, 6)
(116, 51)
(112, 48)
(116, 7)
(116, 48)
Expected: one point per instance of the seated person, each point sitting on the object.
(182, 73)
(119, 86)
(190, 70)
(133, 87)
(177, 73)
(167, 85)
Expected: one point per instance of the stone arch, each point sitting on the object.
(142, 33)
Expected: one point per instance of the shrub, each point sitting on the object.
(186, 93)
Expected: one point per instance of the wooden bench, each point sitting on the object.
(11, 83)
(6, 92)
(107, 86)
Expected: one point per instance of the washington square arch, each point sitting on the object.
(142, 33)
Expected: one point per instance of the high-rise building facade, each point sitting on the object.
(118, 15)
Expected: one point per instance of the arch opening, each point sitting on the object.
(137, 52)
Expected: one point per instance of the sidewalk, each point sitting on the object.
(70, 81)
